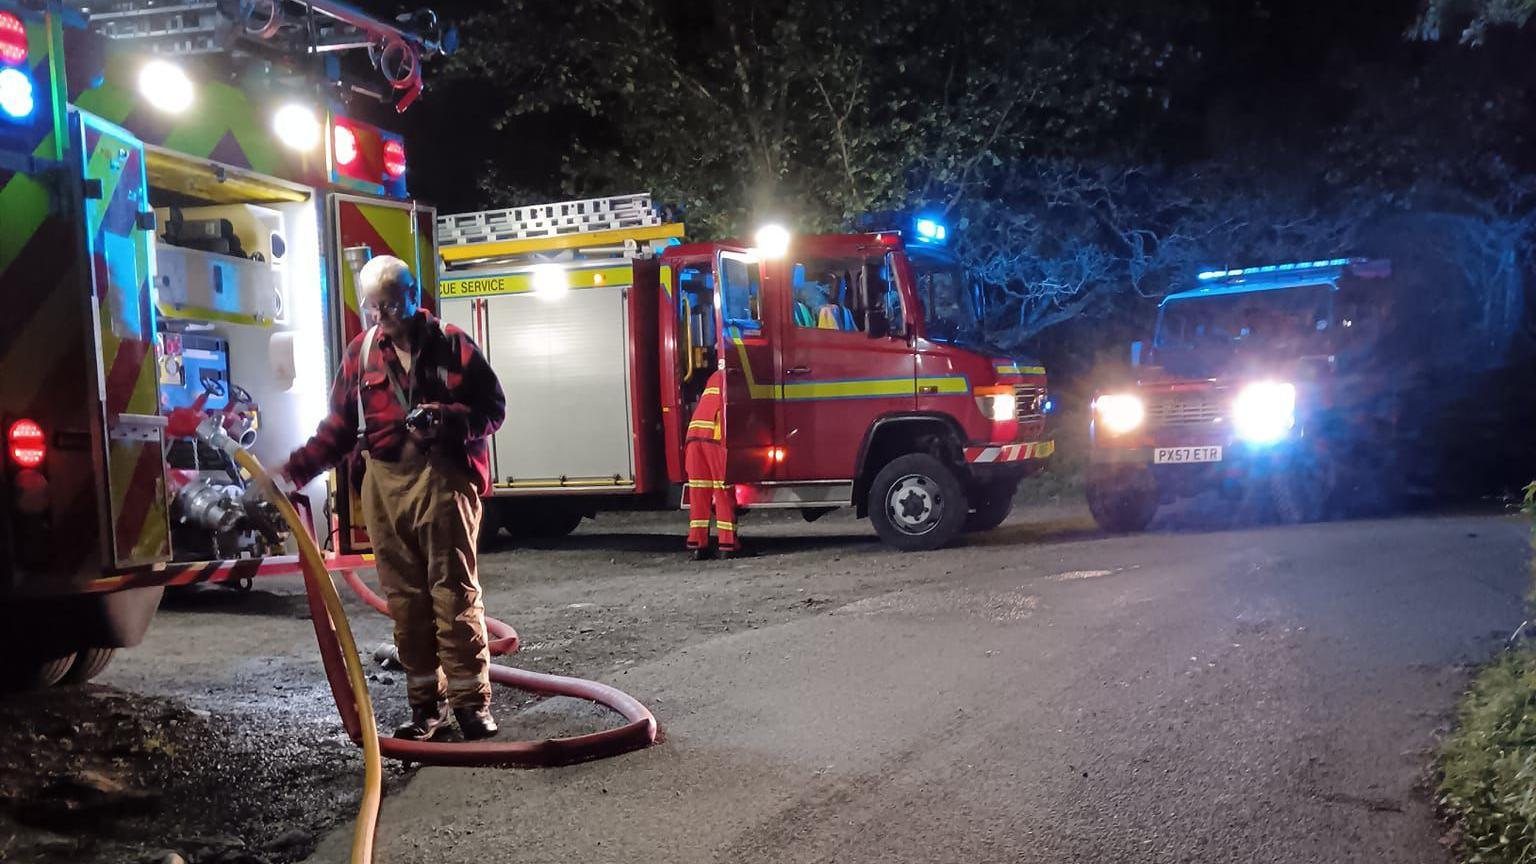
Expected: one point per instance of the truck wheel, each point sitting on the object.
(539, 521)
(917, 503)
(89, 663)
(993, 504)
(18, 673)
(1123, 502)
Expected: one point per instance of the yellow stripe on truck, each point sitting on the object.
(588, 240)
(522, 282)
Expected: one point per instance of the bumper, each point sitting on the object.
(1023, 451)
(1240, 462)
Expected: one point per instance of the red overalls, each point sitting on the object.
(704, 462)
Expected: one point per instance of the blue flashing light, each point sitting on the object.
(1049, 406)
(1269, 269)
(930, 230)
(16, 99)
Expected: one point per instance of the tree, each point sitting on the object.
(1472, 17)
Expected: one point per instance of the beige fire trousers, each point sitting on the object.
(423, 516)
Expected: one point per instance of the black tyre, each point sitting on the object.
(89, 663)
(917, 503)
(19, 673)
(991, 504)
(538, 520)
(1123, 502)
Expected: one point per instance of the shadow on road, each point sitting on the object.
(663, 544)
(214, 598)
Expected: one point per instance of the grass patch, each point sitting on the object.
(1488, 782)
(1488, 765)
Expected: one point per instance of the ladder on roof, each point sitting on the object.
(620, 226)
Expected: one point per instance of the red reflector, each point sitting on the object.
(13, 40)
(28, 445)
(346, 146)
(394, 159)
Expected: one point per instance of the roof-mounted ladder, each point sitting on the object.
(618, 227)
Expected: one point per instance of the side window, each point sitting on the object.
(741, 290)
(830, 293)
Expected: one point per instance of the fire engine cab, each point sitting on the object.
(177, 229)
(855, 369)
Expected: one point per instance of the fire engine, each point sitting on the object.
(1335, 386)
(855, 370)
(177, 231)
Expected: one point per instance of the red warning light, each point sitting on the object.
(394, 159)
(346, 146)
(28, 444)
(13, 40)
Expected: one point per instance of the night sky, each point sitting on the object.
(1267, 69)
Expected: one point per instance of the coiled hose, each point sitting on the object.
(349, 685)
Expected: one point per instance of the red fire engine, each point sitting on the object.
(170, 238)
(855, 370)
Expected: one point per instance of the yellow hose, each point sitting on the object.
(315, 570)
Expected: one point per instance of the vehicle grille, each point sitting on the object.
(1186, 409)
(1030, 402)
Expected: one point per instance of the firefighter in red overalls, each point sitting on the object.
(704, 462)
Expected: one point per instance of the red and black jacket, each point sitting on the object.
(449, 369)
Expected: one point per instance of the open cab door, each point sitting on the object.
(750, 373)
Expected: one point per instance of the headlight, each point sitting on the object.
(1120, 412)
(997, 403)
(1264, 412)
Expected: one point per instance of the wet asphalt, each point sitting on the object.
(1043, 693)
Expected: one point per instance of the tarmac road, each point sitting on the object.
(1044, 693)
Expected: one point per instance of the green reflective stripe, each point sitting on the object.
(108, 101)
(24, 202)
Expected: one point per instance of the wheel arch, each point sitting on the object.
(898, 434)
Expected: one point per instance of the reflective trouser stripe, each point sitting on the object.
(709, 495)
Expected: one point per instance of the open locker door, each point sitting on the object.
(365, 228)
(117, 224)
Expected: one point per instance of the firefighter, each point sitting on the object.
(413, 405)
(704, 462)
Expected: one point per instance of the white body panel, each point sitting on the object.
(563, 363)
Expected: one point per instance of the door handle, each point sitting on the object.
(798, 370)
(928, 389)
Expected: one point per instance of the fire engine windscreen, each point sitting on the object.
(1288, 322)
(951, 308)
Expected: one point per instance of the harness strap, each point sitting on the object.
(362, 367)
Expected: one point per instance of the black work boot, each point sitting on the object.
(425, 721)
(703, 553)
(475, 723)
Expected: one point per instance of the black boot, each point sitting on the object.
(475, 723)
(425, 722)
(703, 553)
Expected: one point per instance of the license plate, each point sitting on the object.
(1182, 455)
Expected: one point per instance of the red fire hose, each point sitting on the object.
(640, 732)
